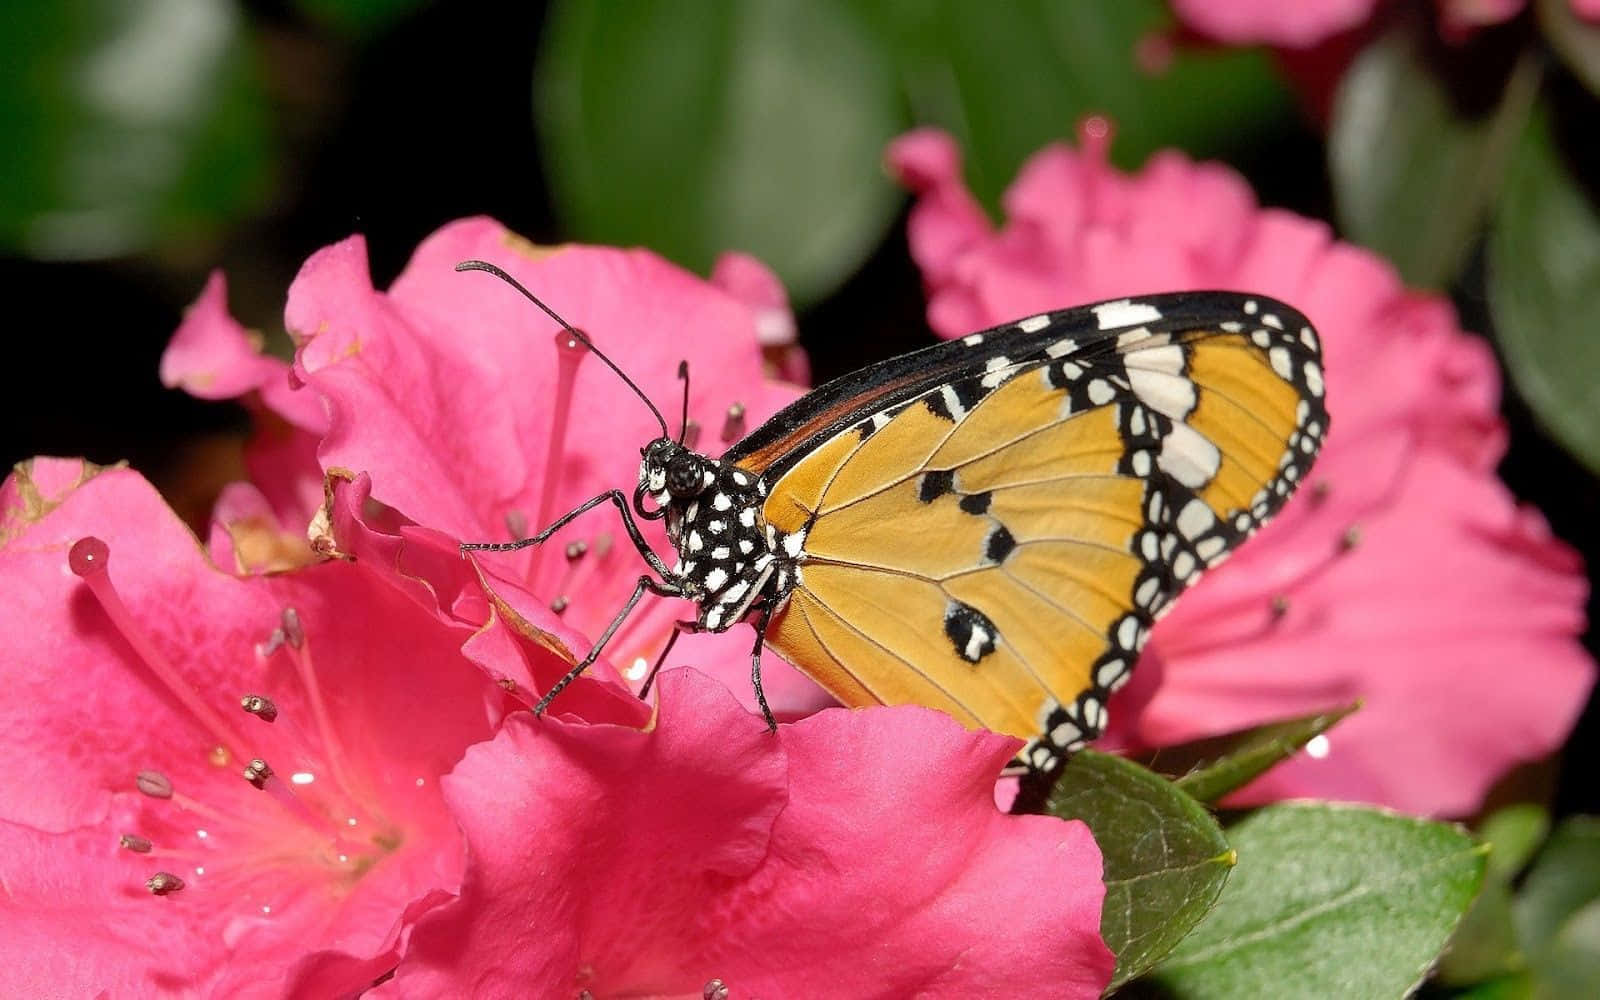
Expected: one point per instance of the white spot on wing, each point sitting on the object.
(1124, 312)
(1188, 457)
(1033, 324)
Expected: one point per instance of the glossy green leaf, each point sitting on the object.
(1334, 901)
(703, 126)
(1243, 757)
(1576, 40)
(1413, 170)
(1165, 857)
(1543, 283)
(127, 123)
(1009, 78)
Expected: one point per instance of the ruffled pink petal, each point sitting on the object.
(212, 356)
(1295, 25)
(807, 864)
(374, 703)
(1408, 573)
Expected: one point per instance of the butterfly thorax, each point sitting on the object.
(729, 559)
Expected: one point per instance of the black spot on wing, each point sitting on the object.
(970, 631)
(935, 484)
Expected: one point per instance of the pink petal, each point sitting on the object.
(1445, 584)
(802, 865)
(753, 283)
(1291, 25)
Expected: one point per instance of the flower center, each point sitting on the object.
(214, 826)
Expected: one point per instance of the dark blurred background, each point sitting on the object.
(150, 141)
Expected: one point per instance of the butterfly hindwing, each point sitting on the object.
(990, 526)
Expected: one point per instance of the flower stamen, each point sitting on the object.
(89, 558)
(569, 352)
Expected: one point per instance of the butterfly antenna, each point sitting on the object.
(683, 428)
(579, 335)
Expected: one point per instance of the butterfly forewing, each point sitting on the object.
(990, 526)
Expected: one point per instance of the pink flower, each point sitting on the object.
(128, 658)
(1306, 23)
(825, 861)
(450, 393)
(1404, 574)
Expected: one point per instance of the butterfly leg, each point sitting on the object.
(679, 628)
(628, 523)
(755, 667)
(645, 583)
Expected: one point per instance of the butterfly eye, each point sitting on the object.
(686, 475)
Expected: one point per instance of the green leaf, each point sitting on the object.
(127, 123)
(1576, 40)
(1570, 967)
(1563, 881)
(1543, 282)
(703, 126)
(1413, 171)
(1008, 78)
(358, 17)
(1328, 901)
(1513, 834)
(1165, 857)
(1484, 946)
(1240, 758)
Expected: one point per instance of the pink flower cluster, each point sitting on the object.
(1402, 575)
(262, 765)
(1305, 23)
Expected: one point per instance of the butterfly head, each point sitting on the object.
(668, 473)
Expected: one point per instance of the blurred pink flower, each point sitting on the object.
(826, 861)
(454, 396)
(1306, 23)
(126, 664)
(1290, 25)
(1403, 574)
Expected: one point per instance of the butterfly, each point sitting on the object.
(988, 526)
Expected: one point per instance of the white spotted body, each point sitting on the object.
(729, 559)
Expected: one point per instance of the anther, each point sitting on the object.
(517, 523)
(559, 604)
(733, 423)
(135, 843)
(257, 772)
(576, 550)
(1351, 537)
(154, 784)
(88, 556)
(259, 706)
(691, 435)
(293, 633)
(715, 989)
(1320, 490)
(1280, 605)
(162, 883)
(508, 685)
